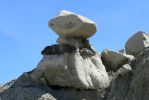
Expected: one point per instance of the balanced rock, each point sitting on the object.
(40, 92)
(71, 70)
(69, 24)
(72, 62)
(114, 60)
(137, 43)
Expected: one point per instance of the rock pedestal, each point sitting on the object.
(72, 62)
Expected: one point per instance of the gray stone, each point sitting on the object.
(133, 85)
(69, 24)
(82, 68)
(38, 92)
(72, 70)
(124, 69)
(76, 42)
(114, 60)
(119, 88)
(25, 93)
(137, 43)
(86, 52)
(6, 86)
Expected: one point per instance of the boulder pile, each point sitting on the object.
(72, 70)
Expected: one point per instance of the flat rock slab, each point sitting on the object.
(69, 24)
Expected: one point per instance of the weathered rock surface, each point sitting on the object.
(124, 69)
(69, 24)
(73, 70)
(133, 85)
(137, 43)
(69, 70)
(78, 43)
(130, 84)
(114, 60)
(38, 92)
(58, 49)
(81, 68)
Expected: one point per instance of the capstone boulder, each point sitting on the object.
(69, 24)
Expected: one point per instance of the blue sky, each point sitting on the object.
(24, 30)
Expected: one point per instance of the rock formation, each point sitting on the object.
(114, 60)
(133, 85)
(137, 43)
(68, 24)
(71, 57)
(73, 70)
